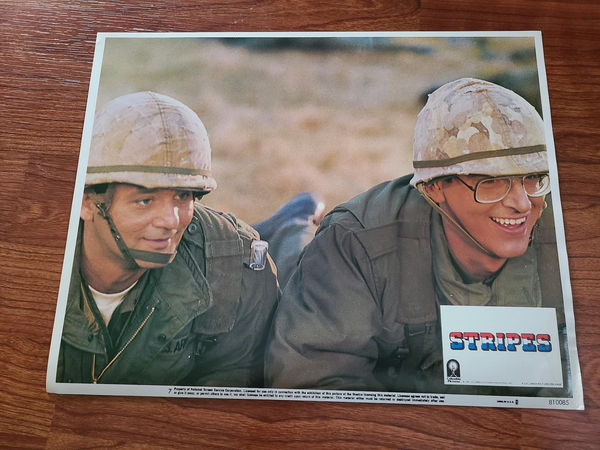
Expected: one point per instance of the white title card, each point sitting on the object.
(501, 346)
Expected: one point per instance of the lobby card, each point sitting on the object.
(291, 126)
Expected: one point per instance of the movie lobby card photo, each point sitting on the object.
(352, 217)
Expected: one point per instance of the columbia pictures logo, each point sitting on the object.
(453, 371)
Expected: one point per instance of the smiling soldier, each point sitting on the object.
(467, 228)
(161, 291)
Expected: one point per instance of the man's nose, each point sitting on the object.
(517, 197)
(167, 215)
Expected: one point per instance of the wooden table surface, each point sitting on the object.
(46, 51)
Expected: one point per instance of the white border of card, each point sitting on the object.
(481, 341)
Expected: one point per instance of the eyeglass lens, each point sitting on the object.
(494, 189)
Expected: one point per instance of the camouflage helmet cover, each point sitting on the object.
(150, 140)
(470, 126)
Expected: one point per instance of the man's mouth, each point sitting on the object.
(509, 222)
(159, 244)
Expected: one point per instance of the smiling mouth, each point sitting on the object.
(509, 222)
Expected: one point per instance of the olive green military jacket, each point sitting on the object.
(361, 312)
(201, 320)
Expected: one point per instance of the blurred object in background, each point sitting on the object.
(522, 78)
(290, 229)
(325, 44)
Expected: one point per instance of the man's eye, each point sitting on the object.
(143, 201)
(184, 195)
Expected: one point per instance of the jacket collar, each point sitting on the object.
(79, 327)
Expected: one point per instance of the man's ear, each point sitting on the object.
(88, 208)
(435, 191)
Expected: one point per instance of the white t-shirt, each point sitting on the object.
(107, 303)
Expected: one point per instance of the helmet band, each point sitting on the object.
(148, 169)
(480, 155)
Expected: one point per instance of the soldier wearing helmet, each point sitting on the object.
(470, 227)
(164, 290)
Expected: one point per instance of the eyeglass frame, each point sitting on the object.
(510, 177)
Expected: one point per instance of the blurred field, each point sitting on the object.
(286, 120)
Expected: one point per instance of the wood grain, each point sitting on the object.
(46, 51)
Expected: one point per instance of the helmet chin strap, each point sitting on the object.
(131, 254)
(421, 189)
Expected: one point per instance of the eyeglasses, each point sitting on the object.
(495, 189)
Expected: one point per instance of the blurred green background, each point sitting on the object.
(286, 115)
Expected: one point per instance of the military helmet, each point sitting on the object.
(471, 126)
(151, 140)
